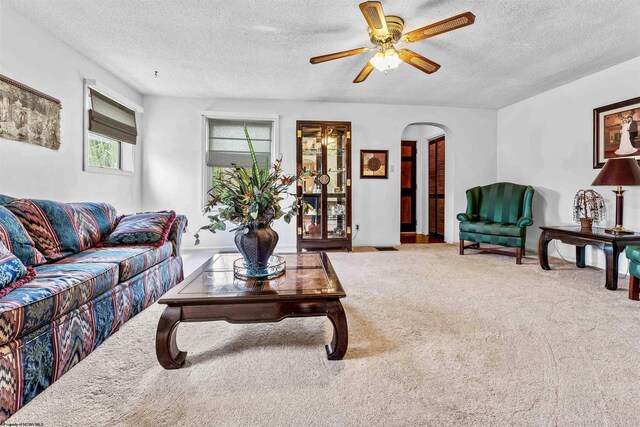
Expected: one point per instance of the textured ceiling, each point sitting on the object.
(261, 49)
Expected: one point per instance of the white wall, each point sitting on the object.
(173, 161)
(546, 141)
(37, 59)
(422, 134)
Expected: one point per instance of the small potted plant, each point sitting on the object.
(588, 207)
(251, 200)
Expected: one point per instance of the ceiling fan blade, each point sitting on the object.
(364, 73)
(372, 11)
(440, 27)
(338, 55)
(418, 61)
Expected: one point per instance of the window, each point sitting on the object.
(226, 142)
(111, 134)
(103, 152)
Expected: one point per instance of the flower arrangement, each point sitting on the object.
(588, 204)
(249, 199)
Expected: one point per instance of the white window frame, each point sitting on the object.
(106, 91)
(221, 115)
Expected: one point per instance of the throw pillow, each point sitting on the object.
(147, 229)
(62, 229)
(16, 239)
(13, 272)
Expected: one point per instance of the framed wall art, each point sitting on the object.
(615, 131)
(374, 164)
(28, 115)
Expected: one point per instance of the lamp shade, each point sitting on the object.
(619, 172)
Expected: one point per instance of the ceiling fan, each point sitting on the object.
(384, 31)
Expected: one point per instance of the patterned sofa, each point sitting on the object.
(82, 292)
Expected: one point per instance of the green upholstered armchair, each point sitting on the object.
(497, 214)
(633, 255)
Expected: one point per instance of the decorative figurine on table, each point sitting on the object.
(588, 208)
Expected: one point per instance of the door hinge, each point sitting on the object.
(299, 231)
(348, 134)
(348, 230)
(299, 134)
(349, 182)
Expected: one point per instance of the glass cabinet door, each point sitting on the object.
(336, 144)
(312, 224)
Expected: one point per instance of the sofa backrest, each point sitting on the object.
(62, 229)
(501, 202)
(4, 199)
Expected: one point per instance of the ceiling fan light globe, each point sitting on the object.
(386, 61)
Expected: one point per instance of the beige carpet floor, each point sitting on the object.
(435, 339)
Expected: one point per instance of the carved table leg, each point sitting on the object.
(543, 251)
(634, 288)
(340, 341)
(169, 356)
(611, 267)
(580, 256)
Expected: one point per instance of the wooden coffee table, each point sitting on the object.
(309, 287)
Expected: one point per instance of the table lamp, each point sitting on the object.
(619, 172)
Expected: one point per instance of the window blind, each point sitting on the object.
(111, 119)
(228, 143)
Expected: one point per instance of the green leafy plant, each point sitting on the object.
(249, 198)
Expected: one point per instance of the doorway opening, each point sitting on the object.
(422, 184)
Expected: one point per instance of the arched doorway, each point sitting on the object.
(423, 178)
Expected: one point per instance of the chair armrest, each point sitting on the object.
(175, 233)
(525, 221)
(633, 254)
(466, 217)
(527, 211)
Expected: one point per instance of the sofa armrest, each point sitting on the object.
(175, 233)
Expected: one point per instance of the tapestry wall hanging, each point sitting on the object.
(28, 115)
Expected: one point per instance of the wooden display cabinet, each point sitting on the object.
(324, 152)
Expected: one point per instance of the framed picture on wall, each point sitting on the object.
(374, 164)
(615, 131)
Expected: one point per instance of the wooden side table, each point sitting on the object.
(612, 245)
